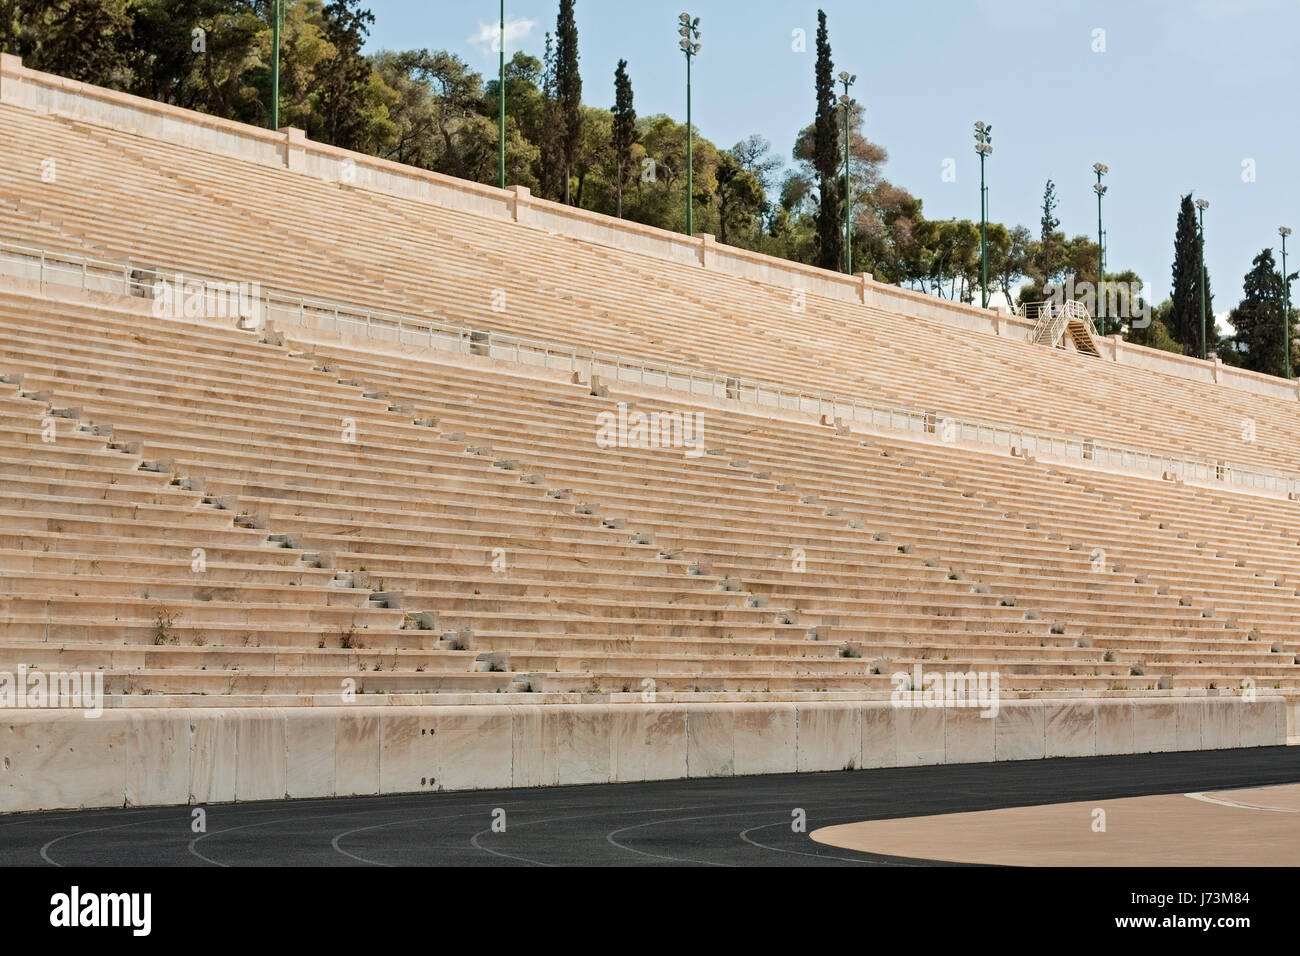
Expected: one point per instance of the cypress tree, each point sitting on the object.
(1185, 294)
(826, 156)
(624, 130)
(568, 89)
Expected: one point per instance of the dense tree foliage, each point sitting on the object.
(1185, 296)
(1257, 342)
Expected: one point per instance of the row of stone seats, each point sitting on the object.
(790, 558)
(165, 385)
(1108, 604)
(380, 249)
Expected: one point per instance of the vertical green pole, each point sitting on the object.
(501, 104)
(848, 191)
(984, 146)
(690, 165)
(1286, 310)
(276, 16)
(1101, 257)
(1200, 217)
(984, 236)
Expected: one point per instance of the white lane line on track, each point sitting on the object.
(361, 859)
(1238, 806)
(278, 811)
(744, 835)
(473, 841)
(68, 836)
(134, 823)
(585, 816)
(609, 838)
(36, 819)
(203, 836)
(392, 823)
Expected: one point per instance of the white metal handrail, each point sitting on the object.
(1053, 318)
(136, 280)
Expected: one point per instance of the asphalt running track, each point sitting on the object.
(734, 821)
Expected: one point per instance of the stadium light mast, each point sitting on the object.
(690, 45)
(501, 103)
(1285, 231)
(277, 14)
(1101, 169)
(1201, 206)
(848, 80)
(984, 146)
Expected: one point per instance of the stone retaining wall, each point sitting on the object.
(62, 760)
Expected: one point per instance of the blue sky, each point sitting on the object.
(1184, 93)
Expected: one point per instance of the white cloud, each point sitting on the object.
(518, 31)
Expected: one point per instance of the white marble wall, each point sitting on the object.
(61, 760)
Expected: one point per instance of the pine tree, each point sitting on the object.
(1257, 343)
(826, 156)
(1185, 310)
(624, 130)
(568, 89)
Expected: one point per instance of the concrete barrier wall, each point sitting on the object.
(604, 230)
(44, 92)
(1248, 381)
(900, 301)
(62, 760)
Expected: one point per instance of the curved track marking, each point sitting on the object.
(1238, 806)
(76, 833)
(473, 841)
(391, 823)
(574, 824)
(744, 835)
(586, 816)
(609, 837)
(279, 812)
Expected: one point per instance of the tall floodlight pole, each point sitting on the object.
(501, 103)
(984, 146)
(847, 103)
(690, 45)
(1101, 169)
(1285, 231)
(277, 14)
(1201, 206)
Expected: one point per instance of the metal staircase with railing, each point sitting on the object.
(1055, 321)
